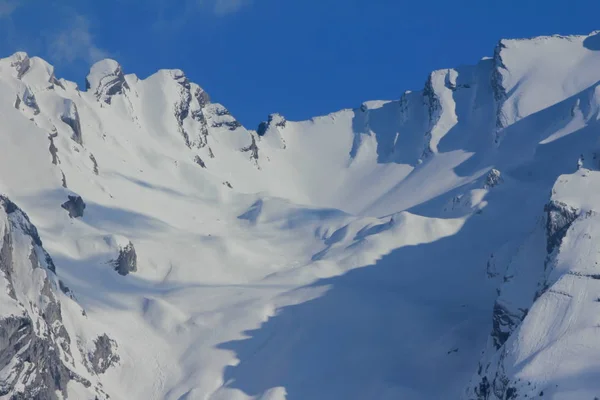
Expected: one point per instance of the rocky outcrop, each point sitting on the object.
(35, 354)
(191, 104)
(432, 102)
(224, 119)
(275, 120)
(21, 63)
(53, 149)
(75, 206)
(559, 217)
(199, 161)
(36, 368)
(105, 80)
(499, 91)
(30, 101)
(94, 163)
(252, 149)
(104, 355)
(70, 116)
(182, 107)
(126, 262)
(493, 179)
(504, 323)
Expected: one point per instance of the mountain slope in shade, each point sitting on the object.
(439, 246)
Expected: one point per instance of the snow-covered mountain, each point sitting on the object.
(439, 246)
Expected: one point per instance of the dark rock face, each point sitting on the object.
(199, 161)
(103, 357)
(274, 119)
(559, 217)
(34, 345)
(39, 371)
(27, 99)
(500, 94)
(30, 101)
(494, 385)
(95, 163)
(434, 106)
(110, 85)
(493, 179)
(6, 263)
(127, 260)
(182, 109)
(53, 150)
(21, 64)
(186, 107)
(74, 206)
(231, 125)
(504, 323)
(71, 118)
(263, 127)
(252, 148)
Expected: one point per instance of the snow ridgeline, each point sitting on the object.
(216, 262)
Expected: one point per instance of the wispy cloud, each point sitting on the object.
(171, 20)
(223, 7)
(76, 43)
(7, 7)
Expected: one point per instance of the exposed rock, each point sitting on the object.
(559, 217)
(63, 180)
(274, 120)
(127, 260)
(504, 323)
(493, 179)
(75, 206)
(226, 183)
(36, 368)
(71, 117)
(263, 127)
(199, 161)
(22, 222)
(182, 110)
(95, 163)
(34, 344)
(434, 106)
(21, 63)
(227, 119)
(198, 115)
(104, 355)
(231, 125)
(6, 263)
(105, 80)
(192, 100)
(252, 148)
(498, 89)
(202, 97)
(53, 149)
(30, 101)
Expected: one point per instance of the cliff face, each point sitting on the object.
(39, 357)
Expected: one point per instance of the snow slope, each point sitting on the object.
(439, 246)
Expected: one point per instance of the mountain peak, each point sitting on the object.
(106, 79)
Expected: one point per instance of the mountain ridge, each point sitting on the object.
(446, 234)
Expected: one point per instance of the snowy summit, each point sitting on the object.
(439, 246)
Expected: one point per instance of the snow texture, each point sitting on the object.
(439, 246)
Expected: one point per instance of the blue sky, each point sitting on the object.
(299, 58)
